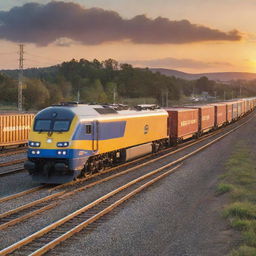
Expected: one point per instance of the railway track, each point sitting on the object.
(10, 152)
(26, 211)
(50, 236)
(13, 171)
(13, 162)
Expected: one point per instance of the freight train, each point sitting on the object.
(70, 139)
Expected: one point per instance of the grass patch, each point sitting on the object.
(242, 210)
(223, 188)
(239, 181)
(244, 251)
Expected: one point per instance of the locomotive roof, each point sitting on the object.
(96, 111)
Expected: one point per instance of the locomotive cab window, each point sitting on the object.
(61, 125)
(88, 129)
(42, 125)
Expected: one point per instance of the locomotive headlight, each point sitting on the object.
(33, 152)
(63, 144)
(34, 144)
(61, 152)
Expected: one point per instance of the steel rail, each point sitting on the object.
(11, 152)
(22, 193)
(20, 169)
(13, 162)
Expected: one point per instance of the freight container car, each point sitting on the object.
(220, 112)
(247, 105)
(239, 108)
(206, 117)
(243, 107)
(14, 128)
(234, 110)
(229, 110)
(182, 123)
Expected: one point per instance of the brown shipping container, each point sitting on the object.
(220, 113)
(183, 123)
(206, 117)
(14, 128)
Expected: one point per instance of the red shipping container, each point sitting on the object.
(183, 123)
(206, 117)
(14, 128)
(220, 113)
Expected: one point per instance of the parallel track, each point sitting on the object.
(13, 162)
(10, 152)
(49, 237)
(13, 171)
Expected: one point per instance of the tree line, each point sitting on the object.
(108, 82)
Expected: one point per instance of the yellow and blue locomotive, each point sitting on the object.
(71, 139)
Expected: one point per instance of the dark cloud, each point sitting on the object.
(178, 63)
(44, 24)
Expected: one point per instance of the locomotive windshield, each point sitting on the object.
(51, 125)
(61, 126)
(42, 125)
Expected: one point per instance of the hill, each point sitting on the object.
(219, 76)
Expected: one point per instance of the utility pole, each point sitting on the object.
(21, 60)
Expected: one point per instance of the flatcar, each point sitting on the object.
(70, 139)
(14, 129)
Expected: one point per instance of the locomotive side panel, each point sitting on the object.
(110, 135)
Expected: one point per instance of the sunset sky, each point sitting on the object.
(188, 35)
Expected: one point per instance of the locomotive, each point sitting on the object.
(71, 139)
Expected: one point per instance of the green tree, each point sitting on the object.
(94, 93)
(36, 94)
